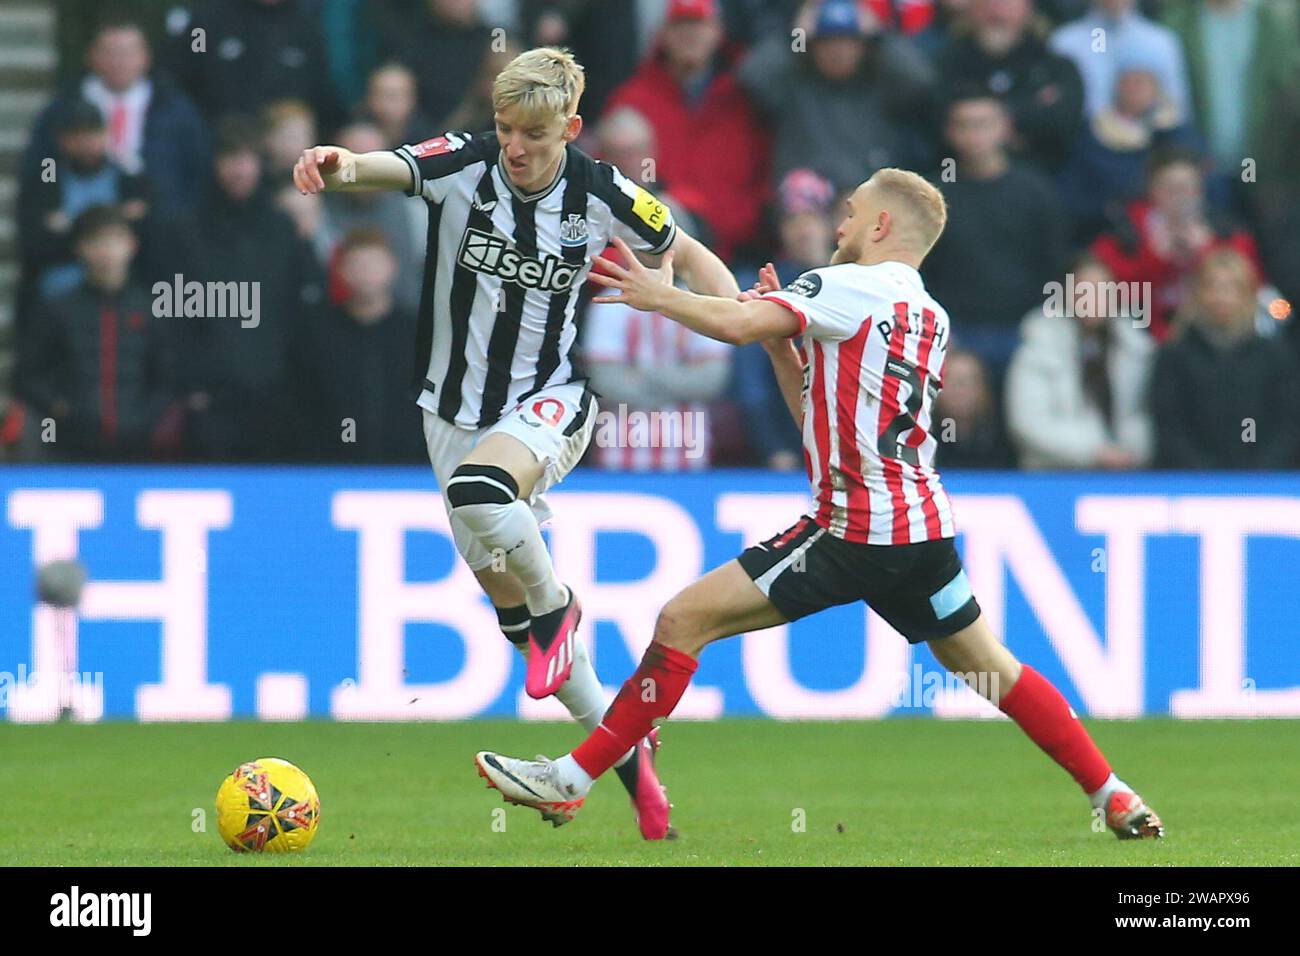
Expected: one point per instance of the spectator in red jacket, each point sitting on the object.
(1166, 235)
(625, 138)
(709, 137)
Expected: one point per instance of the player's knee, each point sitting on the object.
(501, 587)
(677, 627)
(474, 488)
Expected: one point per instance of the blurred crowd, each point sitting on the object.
(1123, 245)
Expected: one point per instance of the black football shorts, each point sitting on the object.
(920, 589)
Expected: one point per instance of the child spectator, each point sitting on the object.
(352, 364)
(97, 361)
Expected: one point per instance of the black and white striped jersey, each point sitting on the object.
(503, 269)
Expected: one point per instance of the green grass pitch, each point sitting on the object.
(908, 791)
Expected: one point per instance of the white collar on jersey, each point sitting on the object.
(910, 271)
(544, 191)
(901, 269)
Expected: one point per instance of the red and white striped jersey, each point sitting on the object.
(874, 344)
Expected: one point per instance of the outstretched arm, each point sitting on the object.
(724, 319)
(703, 271)
(338, 169)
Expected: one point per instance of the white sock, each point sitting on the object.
(1112, 785)
(571, 775)
(581, 694)
(511, 530)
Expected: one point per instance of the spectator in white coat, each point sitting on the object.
(1076, 390)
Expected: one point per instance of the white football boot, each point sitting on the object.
(531, 783)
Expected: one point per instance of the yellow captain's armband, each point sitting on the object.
(650, 210)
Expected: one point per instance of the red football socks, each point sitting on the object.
(649, 694)
(665, 672)
(1046, 717)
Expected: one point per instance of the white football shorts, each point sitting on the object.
(555, 424)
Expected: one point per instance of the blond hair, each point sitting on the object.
(925, 211)
(545, 83)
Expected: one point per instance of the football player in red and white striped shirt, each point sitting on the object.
(882, 529)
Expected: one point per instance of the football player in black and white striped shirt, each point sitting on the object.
(515, 218)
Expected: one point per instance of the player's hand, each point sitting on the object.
(317, 162)
(767, 282)
(637, 286)
(779, 348)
